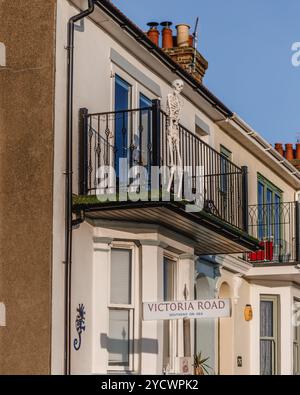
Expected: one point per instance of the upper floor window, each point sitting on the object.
(268, 193)
(144, 131)
(269, 198)
(123, 93)
(225, 152)
(224, 180)
(202, 128)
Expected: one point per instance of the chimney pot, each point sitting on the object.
(289, 152)
(167, 35)
(279, 148)
(183, 35)
(153, 33)
(298, 151)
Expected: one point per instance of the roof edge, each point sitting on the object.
(126, 24)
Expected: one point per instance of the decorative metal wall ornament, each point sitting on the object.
(174, 108)
(80, 325)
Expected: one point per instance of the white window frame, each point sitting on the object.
(276, 328)
(296, 340)
(136, 90)
(173, 345)
(127, 307)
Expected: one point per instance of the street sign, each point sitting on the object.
(206, 308)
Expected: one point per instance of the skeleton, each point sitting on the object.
(174, 107)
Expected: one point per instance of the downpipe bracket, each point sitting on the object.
(80, 218)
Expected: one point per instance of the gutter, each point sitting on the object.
(69, 180)
(266, 146)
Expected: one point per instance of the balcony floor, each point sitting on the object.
(209, 234)
(275, 275)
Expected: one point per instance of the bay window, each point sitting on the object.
(296, 339)
(169, 267)
(121, 310)
(269, 334)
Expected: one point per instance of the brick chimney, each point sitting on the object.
(181, 49)
(290, 153)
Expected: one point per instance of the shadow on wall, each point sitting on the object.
(147, 346)
(208, 273)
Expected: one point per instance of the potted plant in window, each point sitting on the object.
(200, 366)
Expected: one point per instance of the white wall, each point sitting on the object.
(237, 331)
(84, 270)
(90, 284)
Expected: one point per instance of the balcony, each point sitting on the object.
(211, 208)
(276, 226)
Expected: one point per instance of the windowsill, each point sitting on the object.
(121, 372)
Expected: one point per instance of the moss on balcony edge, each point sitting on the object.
(85, 202)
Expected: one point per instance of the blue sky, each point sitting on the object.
(248, 46)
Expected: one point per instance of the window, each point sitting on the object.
(201, 127)
(269, 199)
(225, 182)
(169, 294)
(122, 123)
(225, 156)
(225, 152)
(269, 335)
(145, 123)
(120, 288)
(296, 342)
(120, 339)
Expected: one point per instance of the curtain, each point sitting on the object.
(267, 341)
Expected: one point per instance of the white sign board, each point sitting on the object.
(2, 314)
(2, 55)
(206, 308)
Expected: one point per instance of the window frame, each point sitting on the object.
(145, 159)
(268, 185)
(171, 323)
(225, 182)
(296, 341)
(268, 226)
(275, 299)
(224, 151)
(131, 308)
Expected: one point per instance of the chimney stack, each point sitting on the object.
(290, 154)
(180, 47)
(153, 33)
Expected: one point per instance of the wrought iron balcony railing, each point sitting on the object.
(276, 227)
(141, 137)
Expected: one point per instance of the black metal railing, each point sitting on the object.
(276, 228)
(140, 137)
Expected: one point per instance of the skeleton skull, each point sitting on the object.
(178, 85)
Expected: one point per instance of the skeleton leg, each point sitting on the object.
(171, 149)
(179, 193)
